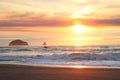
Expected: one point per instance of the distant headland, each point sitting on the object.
(18, 43)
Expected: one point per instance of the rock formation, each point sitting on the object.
(18, 43)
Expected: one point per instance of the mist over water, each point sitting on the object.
(63, 55)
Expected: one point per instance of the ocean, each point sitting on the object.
(63, 55)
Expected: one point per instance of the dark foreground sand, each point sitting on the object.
(19, 72)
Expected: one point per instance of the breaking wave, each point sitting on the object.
(90, 55)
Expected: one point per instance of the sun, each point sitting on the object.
(79, 28)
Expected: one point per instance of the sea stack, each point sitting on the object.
(18, 43)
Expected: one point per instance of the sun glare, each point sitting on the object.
(80, 28)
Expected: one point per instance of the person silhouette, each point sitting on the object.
(45, 45)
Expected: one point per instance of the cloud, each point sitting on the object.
(59, 22)
(14, 14)
(37, 21)
(115, 22)
(42, 20)
(101, 22)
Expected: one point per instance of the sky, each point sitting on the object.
(60, 22)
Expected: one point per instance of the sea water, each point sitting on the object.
(63, 55)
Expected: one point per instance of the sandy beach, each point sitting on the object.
(21, 72)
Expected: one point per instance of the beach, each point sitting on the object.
(25, 72)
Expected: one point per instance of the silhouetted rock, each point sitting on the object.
(18, 43)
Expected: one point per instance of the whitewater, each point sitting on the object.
(63, 55)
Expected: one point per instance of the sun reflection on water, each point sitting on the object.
(77, 66)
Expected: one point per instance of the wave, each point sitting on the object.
(67, 57)
(102, 55)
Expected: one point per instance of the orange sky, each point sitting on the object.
(60, 22)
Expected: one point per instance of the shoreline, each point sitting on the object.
(25, 72)
(56, 66)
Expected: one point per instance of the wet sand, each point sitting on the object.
(21, 72)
